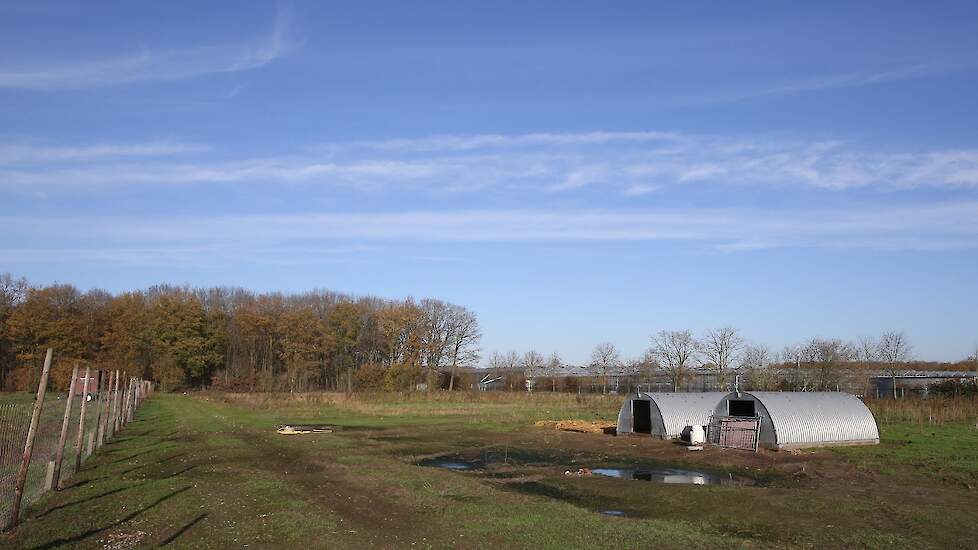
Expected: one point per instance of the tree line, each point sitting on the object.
(234, 338)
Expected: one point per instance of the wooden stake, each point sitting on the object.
(60, 455)
(104, 408)
(81, 421)
(98, 414)
(29, 445)
(132, 399)
(115, 405)
(49, 476)
(122, 401)
(126, 400)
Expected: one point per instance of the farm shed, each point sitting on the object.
(792, 420)
(666, 415)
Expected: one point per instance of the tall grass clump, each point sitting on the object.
(513, 405)
(932, 410)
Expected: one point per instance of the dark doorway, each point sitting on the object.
(641, 416)
(741, 407)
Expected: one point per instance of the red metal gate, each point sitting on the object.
(734, 432)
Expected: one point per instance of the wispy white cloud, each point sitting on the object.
(627, 163)
(149, 65)
(927, 227)
(444, 143)
(182, 254)
(847, 80)
(24, 153)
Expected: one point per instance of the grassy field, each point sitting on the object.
(209, 471)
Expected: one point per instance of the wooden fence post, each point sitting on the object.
(49, 476)
(122, 401)
(81, 420)
(115, 405)
(104, 411)
(132, 399)
(125, 399)
(29, 445)
(98, 413)
(108, 405)
(60, 454)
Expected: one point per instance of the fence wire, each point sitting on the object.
(15, 418)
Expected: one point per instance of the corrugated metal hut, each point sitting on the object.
(792, 420)
(666, 415)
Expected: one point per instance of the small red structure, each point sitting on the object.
(80, 384)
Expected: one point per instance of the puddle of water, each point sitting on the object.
(452, 464)
(615, 513)
(480, 461)
(522, 457)
(663, 475)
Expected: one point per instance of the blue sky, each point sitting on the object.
(573, 172)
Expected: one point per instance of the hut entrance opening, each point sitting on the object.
(741, 407)
(642, 416)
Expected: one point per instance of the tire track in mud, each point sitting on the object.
(372, 518)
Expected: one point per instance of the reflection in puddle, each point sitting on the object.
(616, 513)
(452, 464)
(489, 463)
(661, 475)
(479, 462)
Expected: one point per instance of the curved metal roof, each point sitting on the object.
(817, 417)
(679, 410)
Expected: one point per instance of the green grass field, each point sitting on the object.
(209, 471)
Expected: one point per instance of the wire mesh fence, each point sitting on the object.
(106, 407)
(14, 421)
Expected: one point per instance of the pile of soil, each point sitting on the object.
(581, 426)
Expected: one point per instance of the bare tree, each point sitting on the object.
(643, 369)
(755, 356)
(532, 364)
(720, 347)
(435, 337)
(756, 360)
(604, 360)
(826, 358)
(893, 349)
(510, 363)
(797, 378)
(495, 361)
(463, 339)
(868, 349)
(676, 351)
(552, 369)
